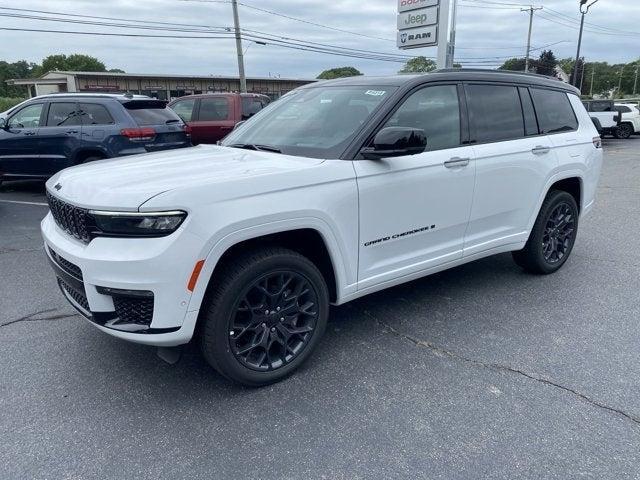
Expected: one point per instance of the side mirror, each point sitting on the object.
(396, 142)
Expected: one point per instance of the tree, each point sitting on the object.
(514, 65)
(546, 64)
(75, 62)
(20, 69)
(339, 72)
(115, 70)
(419, 65)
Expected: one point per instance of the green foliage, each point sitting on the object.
(339, 72)
(7, 102)
(514, 65)
(546, 64)
(21, 69)
(76, 62)
(419, 65)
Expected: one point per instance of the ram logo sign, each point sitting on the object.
(418, 37)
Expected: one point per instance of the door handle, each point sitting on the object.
(457, 162)
(540, 150)
(29, 133)
(72, 131)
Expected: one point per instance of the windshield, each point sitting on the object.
(317, 122)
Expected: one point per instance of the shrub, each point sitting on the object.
(8, 102)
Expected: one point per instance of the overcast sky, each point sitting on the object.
(485, 30)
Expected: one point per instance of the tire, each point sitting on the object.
(92, 158)
(549, 245)
(623, 131)
(245, 343)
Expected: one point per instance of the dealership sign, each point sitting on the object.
(418, 18)
(406, 5)
(418, 37)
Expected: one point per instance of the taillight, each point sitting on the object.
(597, 142)
(187, 130)
(139, 134)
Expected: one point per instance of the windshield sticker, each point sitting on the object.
(375, 93)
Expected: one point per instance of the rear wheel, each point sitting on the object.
(264, 315)
(623, 131)
(553, 235)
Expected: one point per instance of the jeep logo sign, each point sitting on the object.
(418, 18)
(406, 5)
(418, 37)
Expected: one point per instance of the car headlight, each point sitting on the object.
(134, 224)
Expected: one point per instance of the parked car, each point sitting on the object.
(630, 121)
(604, 116)
(48, 133)
(340, 189)
(213, 116)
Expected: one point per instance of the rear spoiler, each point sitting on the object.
(136, 104)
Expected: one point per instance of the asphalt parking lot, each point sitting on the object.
(482, 371)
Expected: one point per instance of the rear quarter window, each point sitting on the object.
(554, 111)
(495, 112)
(94, 114)
(145, 113)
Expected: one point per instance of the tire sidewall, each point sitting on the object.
(552, 202)
(624, 131)
(218, 319)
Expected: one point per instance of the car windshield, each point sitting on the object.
(317, 122)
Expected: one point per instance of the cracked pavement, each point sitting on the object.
(482, 371)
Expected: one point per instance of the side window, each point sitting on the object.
(555, 113)
(212, 109)
(94, 114)
(530, 122)
(28, 117)
(63, 115)
(601, 107)
(251, 106)
(435, 110)
(184, 109)
(495, 112)
(623, 109)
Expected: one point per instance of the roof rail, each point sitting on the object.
(484, 70)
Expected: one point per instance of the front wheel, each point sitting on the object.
(264, 315)
(553, 235)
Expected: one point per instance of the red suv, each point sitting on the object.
(212, 116)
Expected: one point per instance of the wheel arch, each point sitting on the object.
(81, 155)
(571, 185)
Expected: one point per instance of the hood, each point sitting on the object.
(128, 182)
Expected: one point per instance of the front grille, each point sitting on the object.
(71, 268)
(77, 296)
(70, 218)
(130, 310)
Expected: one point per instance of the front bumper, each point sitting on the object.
(133, 289)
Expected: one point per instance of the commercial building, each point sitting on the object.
(164, 87)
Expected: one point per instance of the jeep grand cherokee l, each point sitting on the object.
(338, 190)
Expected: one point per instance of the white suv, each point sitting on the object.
(629, 120)
(337, 190)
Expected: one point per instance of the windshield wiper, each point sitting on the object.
(259, 148)
(173, 120)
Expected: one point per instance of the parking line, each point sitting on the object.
(39, 204)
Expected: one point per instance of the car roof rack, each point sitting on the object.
(502, 72)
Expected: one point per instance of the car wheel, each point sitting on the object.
(623, 131)
(264, 314)
(553, 235)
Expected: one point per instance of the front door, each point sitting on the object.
(215, 120)
(414, 209)
(19, 146)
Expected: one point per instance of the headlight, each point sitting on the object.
(134, 224)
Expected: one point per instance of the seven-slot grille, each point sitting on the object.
(70, 218)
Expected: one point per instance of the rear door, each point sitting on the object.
(513, 161)
(215, 119)
(59, 136)
(19, 146)
(97, 123)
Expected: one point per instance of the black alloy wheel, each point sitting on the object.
(553, 235)
(623, 131)
(559, 233)
(274, 320)
(264, 314)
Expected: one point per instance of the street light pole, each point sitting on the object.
(635, 82)
(236, 24)
(584, 9)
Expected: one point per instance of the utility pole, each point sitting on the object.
(582, 78)
(584, 9)
(593, 79)
(620, 81)
(635, 82)
(531, 9)
(236, 24)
